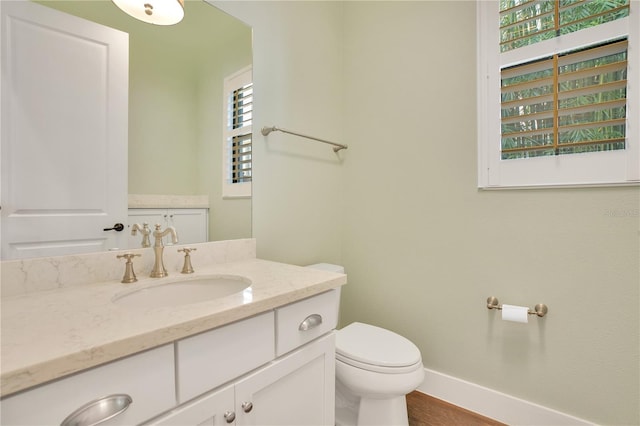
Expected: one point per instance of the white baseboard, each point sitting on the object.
(490, 403)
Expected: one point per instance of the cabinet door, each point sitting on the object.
(191, 225)
(213, 409)
(296, 390)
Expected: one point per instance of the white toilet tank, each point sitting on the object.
(339, 269)
(328, 267)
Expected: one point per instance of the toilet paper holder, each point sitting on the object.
(540, 309)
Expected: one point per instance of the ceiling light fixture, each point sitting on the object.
(157, 12)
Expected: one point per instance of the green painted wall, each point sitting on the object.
(423, 247)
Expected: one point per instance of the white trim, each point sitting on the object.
(633, 95)
(493, 404)
(481, 96)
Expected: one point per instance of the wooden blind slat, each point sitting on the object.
(593, 53)
(528, 68)
(592, 72)
(591, 90)
(564, 112)
(528, 117)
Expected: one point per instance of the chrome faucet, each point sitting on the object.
(159, 270)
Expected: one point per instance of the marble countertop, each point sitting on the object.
(52, 333)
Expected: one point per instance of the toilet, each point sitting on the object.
(375, 369)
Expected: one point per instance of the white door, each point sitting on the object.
(64, 132)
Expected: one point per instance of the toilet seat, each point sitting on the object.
(376, 349)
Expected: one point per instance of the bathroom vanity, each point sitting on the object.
(264, 355)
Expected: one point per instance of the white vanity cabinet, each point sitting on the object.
(147, 378)
(275, 368)
(294, 388)
(192, 225)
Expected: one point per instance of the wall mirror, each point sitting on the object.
(176, 76)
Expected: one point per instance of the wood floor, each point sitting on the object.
(425, 410)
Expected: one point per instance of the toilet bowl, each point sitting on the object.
(375, 369)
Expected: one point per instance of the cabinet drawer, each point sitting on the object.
(207, 360)
(148, 378)
(303, 321)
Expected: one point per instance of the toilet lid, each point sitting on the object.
(371, 345)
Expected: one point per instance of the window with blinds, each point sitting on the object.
(562, 77)
(237, 169)
(566, 104)
(240, 118)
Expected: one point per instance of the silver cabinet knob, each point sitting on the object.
(247, 407)
(229, 416)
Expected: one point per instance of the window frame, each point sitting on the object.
(231, 83)
(619, 167)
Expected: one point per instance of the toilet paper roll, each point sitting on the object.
(515, 313)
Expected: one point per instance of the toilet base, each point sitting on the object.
(383, 412)
(346, 407)
(353, 411)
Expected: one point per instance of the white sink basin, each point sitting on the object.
(183, 292)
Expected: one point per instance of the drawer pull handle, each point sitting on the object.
(247, 407)
(310, 322)
(229, 416)
(98, 411)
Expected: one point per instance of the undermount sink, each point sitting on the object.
(184, 291)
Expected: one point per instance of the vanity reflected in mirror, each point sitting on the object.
(176, 107)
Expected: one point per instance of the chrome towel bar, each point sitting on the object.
(337, 146)
(540, 309)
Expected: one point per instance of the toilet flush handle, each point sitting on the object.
(310, 322)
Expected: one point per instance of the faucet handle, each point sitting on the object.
(187, 268)
(129, 274)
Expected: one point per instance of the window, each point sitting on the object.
(558, 96)
(238, 114)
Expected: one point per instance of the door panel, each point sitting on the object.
(64, 132)
(295, 390)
